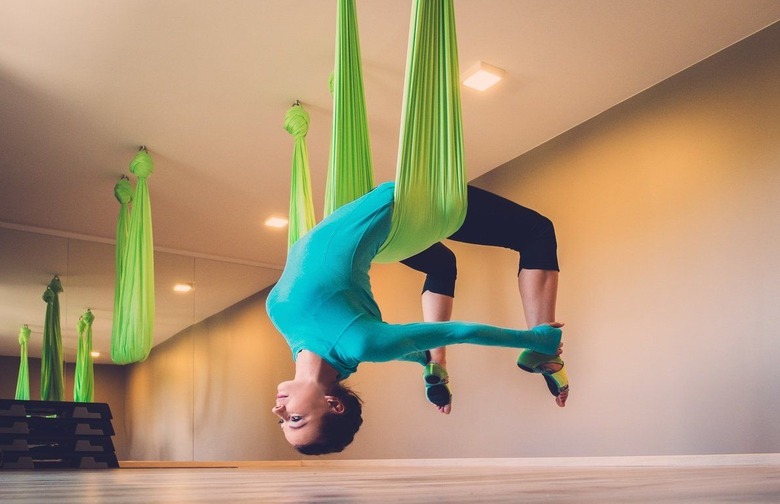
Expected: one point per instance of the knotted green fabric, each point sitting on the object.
(430, 191)
(350, 171)
(23, 381)
(84, 383)
(52, 365)
(131, 332)
(296, 122)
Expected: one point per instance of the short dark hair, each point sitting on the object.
(337, 429)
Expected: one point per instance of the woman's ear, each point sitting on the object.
(335, 404)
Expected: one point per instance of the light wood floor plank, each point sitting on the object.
(365, 483)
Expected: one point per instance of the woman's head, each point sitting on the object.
(317, 421)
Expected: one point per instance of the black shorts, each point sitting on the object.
(494, 221)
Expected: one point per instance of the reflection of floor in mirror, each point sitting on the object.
(380, 482)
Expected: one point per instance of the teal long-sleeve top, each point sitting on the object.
(323, 301)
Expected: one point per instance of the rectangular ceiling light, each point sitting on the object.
(482, 76)
(182, 287)
(276, 222)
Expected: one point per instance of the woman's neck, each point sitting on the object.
(311, 367)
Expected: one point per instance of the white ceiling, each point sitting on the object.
(205, 86)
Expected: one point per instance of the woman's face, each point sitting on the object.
(300, 406)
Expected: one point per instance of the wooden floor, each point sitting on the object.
(360, 482)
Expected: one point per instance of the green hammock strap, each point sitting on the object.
(133, 321)
(84, 382)
(23, 381)
(430, 193)
(52, 365)
(296, 122)
(350, 171)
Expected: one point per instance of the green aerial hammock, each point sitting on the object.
(52, 365)
(430, 193)
(84, 383)
(23, 381)
(131, 332)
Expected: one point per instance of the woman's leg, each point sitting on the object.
(499, 222)
(439, 265)
(538, 291)
(438, 308)
(496, 221)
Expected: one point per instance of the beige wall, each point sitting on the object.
(206, 394)
(666, 210)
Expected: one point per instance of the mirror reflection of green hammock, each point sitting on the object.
(131, 331)
(84, 382)
(23, 380)
(430, 192)
(52, 364)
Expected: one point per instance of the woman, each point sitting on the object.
(324, 308)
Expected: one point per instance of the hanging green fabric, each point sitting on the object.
(123, 192)
(430, 192)
(296, 122)
(350, 170)
(84, 383)
(52, 365)
(131, 332)
(23, 381)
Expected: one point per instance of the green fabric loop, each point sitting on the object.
(23, 380)
(296, 122)
(84, 382)
(133, 318)
(52, 365)
(142, 165)
(123, 191)
(350, 170)
(430, 193)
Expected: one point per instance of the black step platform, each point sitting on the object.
(55, 435)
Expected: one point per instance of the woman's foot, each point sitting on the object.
(437, 389)
(551, 368)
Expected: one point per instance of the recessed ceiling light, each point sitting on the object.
(182, 287)
(94, 354)
(276, 222)
(482, 76)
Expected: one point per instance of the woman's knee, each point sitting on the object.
(540, 250)
(441, 276)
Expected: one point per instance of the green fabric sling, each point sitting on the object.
(133, 322)
(23, 381)
(52, 365)
(430, 194)
(430, 190)
(84, 382)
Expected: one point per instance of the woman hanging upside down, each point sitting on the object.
(324, 308)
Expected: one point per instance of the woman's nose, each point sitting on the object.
(278, 409)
